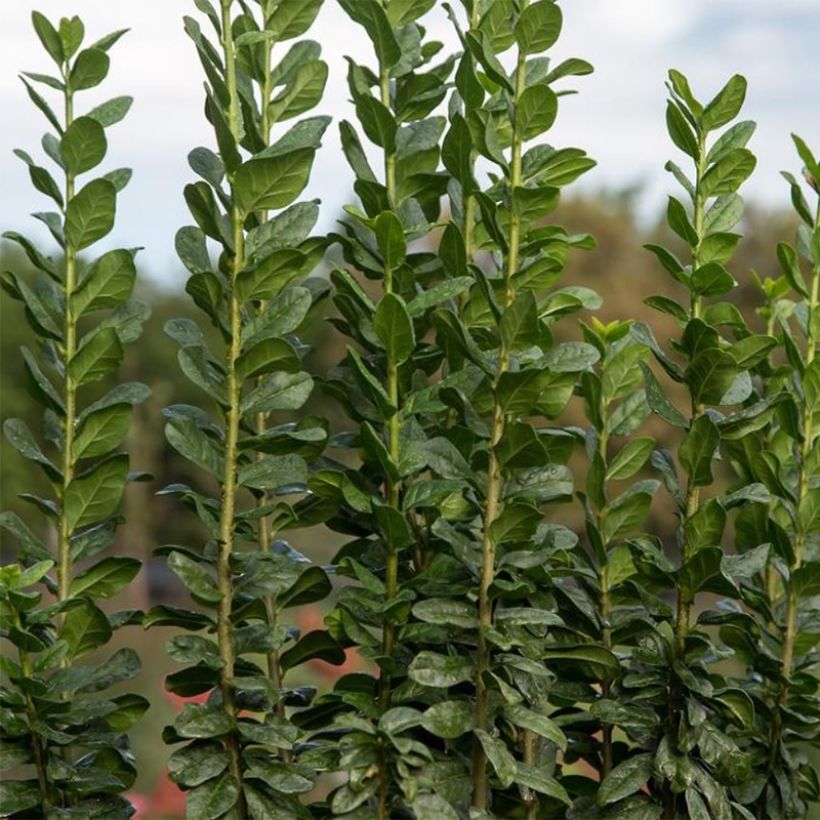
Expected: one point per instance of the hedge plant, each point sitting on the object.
(54, 717)
(499, 465)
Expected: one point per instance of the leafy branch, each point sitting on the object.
(75, 742)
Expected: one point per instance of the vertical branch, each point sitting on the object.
(229, 486)
(64, 568)
(494, 477)
(265, 533)
(393, 486)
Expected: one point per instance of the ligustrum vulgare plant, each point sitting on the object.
(241, 752)
(697, 757)
(775, 637)
(408, 468)
(508, 373)
(615, 406)
(576, 560)
(69, 741)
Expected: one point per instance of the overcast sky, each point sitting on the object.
(617, 117)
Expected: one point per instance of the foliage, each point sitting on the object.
(234, 761)
(52, 716)
(502, 466)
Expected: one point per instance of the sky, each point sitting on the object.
(618, 116)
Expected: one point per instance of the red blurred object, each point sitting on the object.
(166, 802)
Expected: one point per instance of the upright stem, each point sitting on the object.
(692, 500)
(802, 490)
(605, 604)
(494, 477)
(64, 568)
(393, 487)
(264, 532)
(469, 200)
(229, 486)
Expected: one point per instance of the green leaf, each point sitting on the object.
(630, 458)
(83, 145)
(658, 400)
(112, 111)
(446, 611)
(727, 175)
(203, 721)
(394, 328)
(292, 18)
(302, 92)
(680, 131)
(626, 512)
(271, 275)
(107, 283)
(625, 779)
(90, 214)
(390, 238)
(710, 375)
(85, 628)
(272, 182)
(499, 757)
(196, 763)
(439, 671)
(525, 718)
(96, 494)
(449, 719)
(19, 796)
(317, 644)
(200, 583)
(808, 513)
(101, 354)
(280, 391)
(535, 778)
(267, 356)
(571, 357)
(212, 799)
(726, 105)
(105, 578)
(371, 385)
(371, 15)
(48, 36)
(537, 107)
(712, 279)
(72, 32)
(274, 472)
(519, 323)
(597, 658)
(428, 806)
(538, 27)
(90, 69)
(698, 450)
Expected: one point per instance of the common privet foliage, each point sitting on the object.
(696, 758)
(54, 723)
(774, 637)
(533, 649)
(409, 468)
(512, 375)
(240, 756)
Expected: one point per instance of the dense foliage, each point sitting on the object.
(54, 718)
(514, 663)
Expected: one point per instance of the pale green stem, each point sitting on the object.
(494, 477)
(232, 423)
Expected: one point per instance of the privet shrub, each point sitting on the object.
(53, 719)
(240, 578)
(531, 646)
